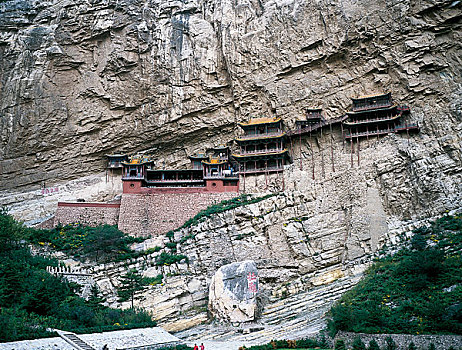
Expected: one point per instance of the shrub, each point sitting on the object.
(358, 344)
(373, 345)
(390, 344)
(340, 344)
(415, 290)
(31, 300)
(168, 259)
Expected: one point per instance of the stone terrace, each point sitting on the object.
(142, 215)
(87, 213)
(125, 339)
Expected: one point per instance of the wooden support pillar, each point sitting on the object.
(283, 183)
(266, 174)
(343, 135)
(322, 156)
(377, 131)
(312, 156)
(352, 148)
(332, 148)
(358, 148)
(244, 174)
(301, 165)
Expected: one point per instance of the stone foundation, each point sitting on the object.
(157, 213)
(92, 214)
(441, 342)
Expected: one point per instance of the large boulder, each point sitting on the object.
(233, 291)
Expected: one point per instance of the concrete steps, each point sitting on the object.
(75, 341)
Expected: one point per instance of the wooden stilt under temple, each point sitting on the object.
(332, 148)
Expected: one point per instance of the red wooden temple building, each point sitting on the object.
(208, 173)
(375, 115)
(262, 147)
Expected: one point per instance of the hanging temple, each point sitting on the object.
(262, 148)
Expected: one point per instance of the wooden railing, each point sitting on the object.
(376, 105)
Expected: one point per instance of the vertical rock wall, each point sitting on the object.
(81, 79)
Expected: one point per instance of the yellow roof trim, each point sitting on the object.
(257, 121)
(210, 163)
(371, 95)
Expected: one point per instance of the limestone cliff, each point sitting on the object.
(81, 79)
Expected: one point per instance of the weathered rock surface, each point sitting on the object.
(81, 79)
(233, 292)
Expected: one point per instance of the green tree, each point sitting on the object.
(358, 344)
(411, 346)
(130, 283)
(431, 346)
(340, 344)
(104, 241)
(390, 344)
(10, 231)
(95, 301)
(373, 345)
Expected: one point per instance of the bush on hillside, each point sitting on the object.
(32, 300)
(417, 290)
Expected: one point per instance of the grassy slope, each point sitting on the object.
(417, 290)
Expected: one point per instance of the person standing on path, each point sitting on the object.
(196, 347)
(202, 347)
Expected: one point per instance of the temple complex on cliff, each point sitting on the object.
(156, 200)
(375, 115)
(262, 147)
(208, 173)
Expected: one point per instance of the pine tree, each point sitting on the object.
(130, 283)
(431, 347)
(390, 344)
(412, 346)
(358, 344)
(95, 301)
(373, 345)
(340, 345)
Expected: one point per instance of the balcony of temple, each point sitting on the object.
(358, 133)
(261, 128)
(136, 167)
(175, 178)
(262, 148)
(376, 115)
(196, 160)
(376, 101)
(221, 152)
(313, 116)
(216, 168)
(261, 165)
(114, 161)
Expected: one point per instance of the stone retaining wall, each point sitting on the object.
(154, 214)
(441, 342)
(91, 214)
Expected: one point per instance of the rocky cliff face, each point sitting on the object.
(81, 79)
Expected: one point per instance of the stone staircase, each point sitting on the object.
(74, 340)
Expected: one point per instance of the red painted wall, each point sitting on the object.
(214, 186)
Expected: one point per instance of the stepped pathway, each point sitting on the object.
(74, 340)
(297, 316)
